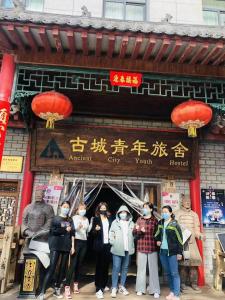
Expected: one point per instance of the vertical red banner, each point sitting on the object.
(4, 118)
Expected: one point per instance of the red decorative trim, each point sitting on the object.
(218, 48)
(98, 44)
(164, 46)
(44, 39)
(149, 48)
(111, 45)
(123, 46)
(15, 36)
(71, 41)
(187, 52)
(174, 51)
(28, 34)
(137, 47)
(84, 36)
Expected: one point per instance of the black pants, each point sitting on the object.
(102, 267)
(76, 261)
(54, 259)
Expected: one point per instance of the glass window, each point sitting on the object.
(213, 12)
(35, 5)
(133, 10)
(222, 18)
(210, 17)
(7, 4)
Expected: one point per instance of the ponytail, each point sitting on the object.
(169, 208)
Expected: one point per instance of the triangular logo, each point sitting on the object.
(52, 150)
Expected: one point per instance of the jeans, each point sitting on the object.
(170, 266)
(120, 266)
(76, 261)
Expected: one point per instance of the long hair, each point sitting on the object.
(151, 206)
(80, 205)
(97, 211)
(169, 208)
(65, 202)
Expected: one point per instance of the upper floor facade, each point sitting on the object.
(199, 12)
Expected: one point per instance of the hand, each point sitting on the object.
(72, 251)
(179, 256)
(142, 229)
(97, 227)
(80, 225)
(159, 243)
(137, 227)
(202, 237)
(68, 228)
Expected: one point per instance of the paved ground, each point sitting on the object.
(87, 292)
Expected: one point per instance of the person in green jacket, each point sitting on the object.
(122, 241)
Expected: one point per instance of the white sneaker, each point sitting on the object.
(139, 293)
(99, 294)
(156, 296)
(106, 289)
(113, 293)
(123, 290)
(170, 296)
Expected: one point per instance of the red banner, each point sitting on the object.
(4, 118)
(125, 79)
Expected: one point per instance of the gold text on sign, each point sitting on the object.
(179, 150)
(78, 144)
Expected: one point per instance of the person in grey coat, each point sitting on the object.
(122, 241)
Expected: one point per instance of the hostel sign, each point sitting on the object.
(114, 151)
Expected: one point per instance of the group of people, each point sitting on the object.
(114, 239)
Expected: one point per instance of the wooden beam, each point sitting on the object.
(123, 46)
(214, 51)
(28, 34)
(5, 42)
(84, 37)
(199, 53)
(15, 36)
(111, 45)
(98, 44)
(176, 48)
(220, 58)
(57, 38)
(137, 47)
(164, 46)
(151, 44)
(44, 38)
(187, 52)
(71, 41)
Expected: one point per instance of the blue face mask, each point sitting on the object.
(64, 211)
(123, 216)
(82, 212)
(146, 211)
(166, 216)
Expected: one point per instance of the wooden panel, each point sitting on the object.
(114, 151)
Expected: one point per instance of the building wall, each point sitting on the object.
(212, 169)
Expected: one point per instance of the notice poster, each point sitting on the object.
(171, 199)
(213, 208)
(52, 196)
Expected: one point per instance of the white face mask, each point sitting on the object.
(123, 215)
(82, 212)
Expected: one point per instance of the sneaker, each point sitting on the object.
(106, 289)
(99, 294)
(76, 288)
(175, 298)
(41, 296)
(113, 293)
(67, 292)
(139, 293)
(123, 290)
(170, 296)
(156, 296)
(195, 287)
(57, 293)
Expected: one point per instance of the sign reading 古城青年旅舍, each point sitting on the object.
(114, 151)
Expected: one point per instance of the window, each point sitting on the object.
(214, 12)
(35, 5)
(133, 10)
(7, 4)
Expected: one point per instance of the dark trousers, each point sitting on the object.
(102, 267)
(76, 261)
(54, 259)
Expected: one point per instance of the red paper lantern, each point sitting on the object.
(51, 106)
(191, 115)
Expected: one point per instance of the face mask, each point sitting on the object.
(82, 212)
(146, 211)
(123, 216)
(166, 216)
(103, 212)
(64, 211)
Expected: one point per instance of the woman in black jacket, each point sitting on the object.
(60, 245)
(169, 239)
(100, 230)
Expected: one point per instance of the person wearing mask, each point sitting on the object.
(169, 239)
(81, 225)
(101, 224)
(147, 252)
(122, 241)
(60, 245)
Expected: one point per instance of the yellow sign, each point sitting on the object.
(12, 164)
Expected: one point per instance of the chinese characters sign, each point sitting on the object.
(4, 117)
(125, 79)
(114, 151)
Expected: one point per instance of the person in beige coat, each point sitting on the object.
(188, 219)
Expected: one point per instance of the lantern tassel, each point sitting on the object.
(50, 124)
(192, 131)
